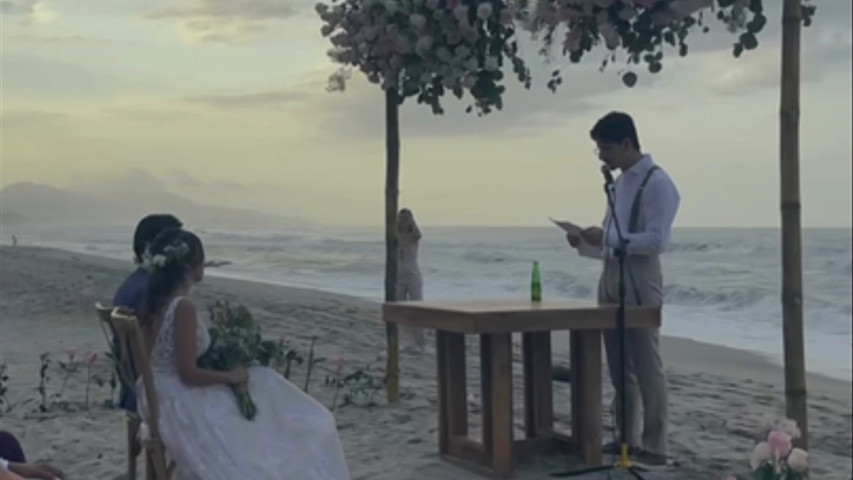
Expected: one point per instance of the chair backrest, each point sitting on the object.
(119, 348)
(126, 327)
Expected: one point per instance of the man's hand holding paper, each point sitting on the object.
(576, 235)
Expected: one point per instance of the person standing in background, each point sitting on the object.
(409, 284)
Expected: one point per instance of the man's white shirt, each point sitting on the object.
(659, 205)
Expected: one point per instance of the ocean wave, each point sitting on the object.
(708, 248)
(477, 256)
(725, 298)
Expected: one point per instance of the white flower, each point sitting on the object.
(418, 21)
(760, 454)
(627, 13)
(491, 63)
(424, 43)
(463, 52)
(461, 13)
(683, 8)
(661, 18)
(484, 11)
(611, 36)
(770, 422)
(798, 460)
(572, 42)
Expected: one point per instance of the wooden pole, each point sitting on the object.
(392, 174)
(789, 171)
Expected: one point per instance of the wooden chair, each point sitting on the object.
(126, 328)
(124, 369)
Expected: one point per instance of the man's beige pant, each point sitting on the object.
(645, 380)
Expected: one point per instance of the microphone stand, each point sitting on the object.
(621, 253)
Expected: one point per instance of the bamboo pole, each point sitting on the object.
(392, 174)
(789, 171)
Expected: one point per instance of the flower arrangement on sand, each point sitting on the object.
(775, 457)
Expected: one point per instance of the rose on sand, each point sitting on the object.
(776, 458)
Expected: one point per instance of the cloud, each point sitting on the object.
(228, 21)
(31, 12)
(145, 114)
(30, 118)
(21, 7)
(58, 39)
(823, 49)
(183, 180)
(264, 100)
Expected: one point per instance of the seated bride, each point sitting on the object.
(292, 437)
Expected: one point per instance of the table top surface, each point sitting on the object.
(514, 315)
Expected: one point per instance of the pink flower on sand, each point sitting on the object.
(71, 352)
(780, 443)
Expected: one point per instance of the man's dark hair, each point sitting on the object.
(148, 228)
(614, 128)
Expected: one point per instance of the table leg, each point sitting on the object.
(538, 390)
(586, 394)
(496, 360)
(452, 392)
(392, 363)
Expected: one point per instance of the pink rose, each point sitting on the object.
(780, 443)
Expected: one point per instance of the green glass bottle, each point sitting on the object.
(536, 284)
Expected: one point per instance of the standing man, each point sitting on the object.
(646, 201)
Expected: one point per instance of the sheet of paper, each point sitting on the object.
(569, 227)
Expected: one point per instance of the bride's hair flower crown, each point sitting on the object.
(174, 253)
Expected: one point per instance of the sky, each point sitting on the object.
(224, 102)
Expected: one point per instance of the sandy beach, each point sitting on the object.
(718, 396)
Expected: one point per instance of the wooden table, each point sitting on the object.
(495, 321)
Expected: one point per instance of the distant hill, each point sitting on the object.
(32, 203)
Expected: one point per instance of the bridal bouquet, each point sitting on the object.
(235, 341)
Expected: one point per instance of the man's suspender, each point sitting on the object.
(635, 208)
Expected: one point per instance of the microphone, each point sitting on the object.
(608, 177)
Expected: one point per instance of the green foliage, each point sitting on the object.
(236, 341)
(644, 34)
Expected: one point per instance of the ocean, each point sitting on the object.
(722, 286)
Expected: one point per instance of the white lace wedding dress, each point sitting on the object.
(293, 437)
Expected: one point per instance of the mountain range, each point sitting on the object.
(37, 204)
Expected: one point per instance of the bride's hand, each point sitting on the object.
(238, 376)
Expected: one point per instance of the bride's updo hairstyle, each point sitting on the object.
(169, 260)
